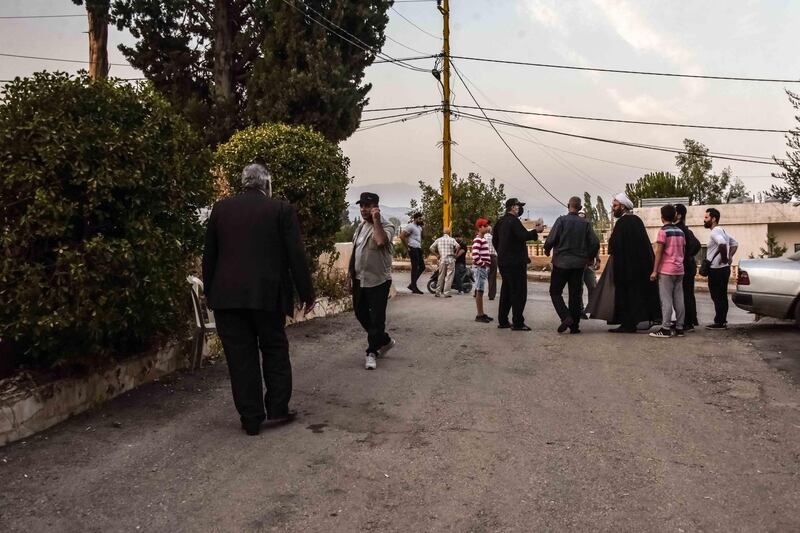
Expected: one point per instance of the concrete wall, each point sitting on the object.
(747, 223)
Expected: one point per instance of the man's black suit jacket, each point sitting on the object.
(253, 254)
(510, 240)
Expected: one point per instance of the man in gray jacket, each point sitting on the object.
(371, 275)
(574, 246)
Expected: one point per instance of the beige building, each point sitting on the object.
(748, 223)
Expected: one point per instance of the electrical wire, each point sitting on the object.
(400, 115)
(622, 121)
(545, 189)
(363, 46)
(426, 32)
(82, 15)
(395, 121)
(18, 56)
(407, 47)
(620, 71)
(715, 155)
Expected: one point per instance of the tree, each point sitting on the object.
(773, 249)
(591, 214)
(229, 64)
(98, 14)
(603, 220)
(100, 187)
(736, 190)
(472, 198)
(695, 172)
(656, 185)
(791, 164)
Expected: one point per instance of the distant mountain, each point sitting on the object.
(387, 211)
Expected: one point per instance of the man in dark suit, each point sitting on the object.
(510, 238)
(253, 255)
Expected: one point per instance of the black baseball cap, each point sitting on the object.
(369, 198)
(511, 202)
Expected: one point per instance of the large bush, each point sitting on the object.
(307, 170)
(99, 190)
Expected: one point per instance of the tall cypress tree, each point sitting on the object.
(791, 164)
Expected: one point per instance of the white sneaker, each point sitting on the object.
(383, 350)
(372, 362)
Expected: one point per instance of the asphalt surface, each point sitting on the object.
(463, 427)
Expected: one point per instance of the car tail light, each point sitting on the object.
(743, 278)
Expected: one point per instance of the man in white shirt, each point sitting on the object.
(412, 238)
(721, 248)
(492, 289)
(445, 247)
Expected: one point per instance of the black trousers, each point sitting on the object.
(369, 305)
(718, 287)
(417, 264)
(560, 278)
(513, 294)
(492, 289)
(243, 332)
(689, 301)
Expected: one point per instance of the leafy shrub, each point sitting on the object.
(100, 185)
(307, 171)
(331, 282)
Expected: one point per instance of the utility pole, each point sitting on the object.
(447, 174)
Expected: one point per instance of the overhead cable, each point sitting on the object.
(426, 32)
(715, 155)
(545, 189)
(621, 71)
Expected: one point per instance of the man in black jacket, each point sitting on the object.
(510, 241)
(253, 255)
(693, 247)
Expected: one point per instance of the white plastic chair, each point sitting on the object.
(203, 318)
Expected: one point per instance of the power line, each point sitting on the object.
(18, 56)
(400, 115)
(403, 59)
(363, 46)
(715, 155)
(406, 46)
(458, 73)
(395, 121)
(622, 121)
(426, 32)
(83, 15)
(620, 71)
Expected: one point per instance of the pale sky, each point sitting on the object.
(751, 38)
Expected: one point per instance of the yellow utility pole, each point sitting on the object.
(447, 199)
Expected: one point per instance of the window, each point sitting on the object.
(797, 247)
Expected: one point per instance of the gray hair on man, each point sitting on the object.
(256, 176)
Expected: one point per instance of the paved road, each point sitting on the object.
(462, 428)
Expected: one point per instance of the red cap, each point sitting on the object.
(481, 222)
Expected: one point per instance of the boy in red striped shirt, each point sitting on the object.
(481, 260)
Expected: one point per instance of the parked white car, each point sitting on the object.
(770, 287)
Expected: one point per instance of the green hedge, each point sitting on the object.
(100, 186)
(307, 170)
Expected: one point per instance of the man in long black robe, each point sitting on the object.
(636, 297)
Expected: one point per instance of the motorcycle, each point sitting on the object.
(462, 280)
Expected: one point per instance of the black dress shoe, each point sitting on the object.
(565, 324)
(280, 421)
(503, 326)
(574, 331)
(523, 327)
(252, 428)
(622, 330)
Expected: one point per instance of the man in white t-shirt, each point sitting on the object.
(721, 247)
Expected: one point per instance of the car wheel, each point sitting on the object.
(432, 285)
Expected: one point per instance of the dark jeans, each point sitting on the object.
(689, 301)
(513, 294)
(560, 278)
(492, 289)
(718, 287)
(417, 264)
(243, 332)
(369, 305)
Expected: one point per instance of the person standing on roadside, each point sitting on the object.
(574, 246)
(510, 241)
(668, 272)
(635, 296)
(253, 255)
(371, 276)
(693, 247)
(446, 248)
(492, 280)
(589, 276)
(721, 248)
(411, 236)
(481, 259)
